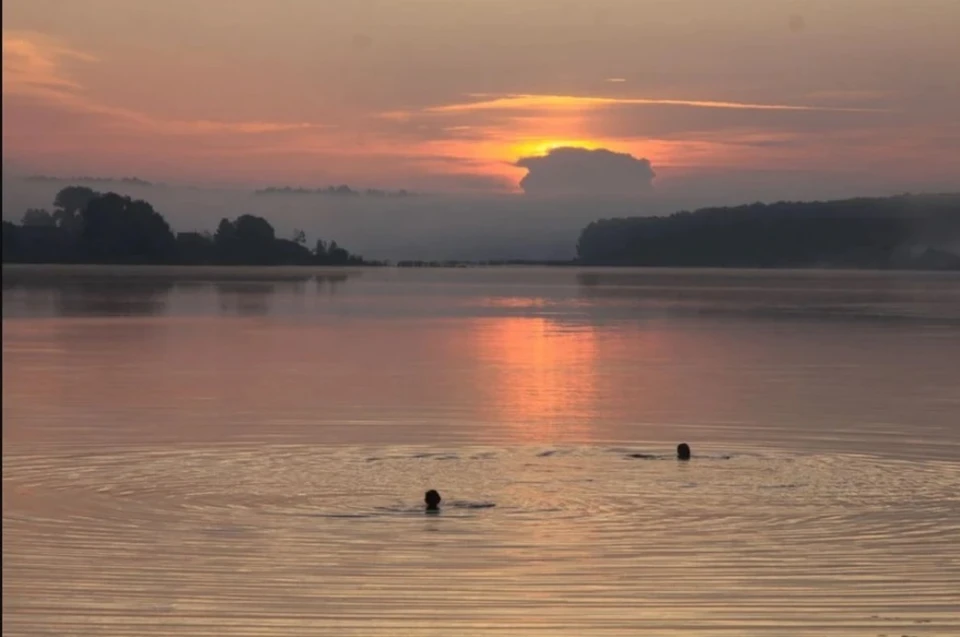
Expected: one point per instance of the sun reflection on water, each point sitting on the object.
(540, 375)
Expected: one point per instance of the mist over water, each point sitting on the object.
(422, 226)
(434, 226)
(239, 450)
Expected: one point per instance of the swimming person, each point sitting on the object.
(683, 451)
(432, 498)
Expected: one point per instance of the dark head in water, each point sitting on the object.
(683, 451)
(432, 498)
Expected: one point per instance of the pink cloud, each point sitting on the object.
(34, 68)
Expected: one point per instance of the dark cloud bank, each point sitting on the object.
(579, 171)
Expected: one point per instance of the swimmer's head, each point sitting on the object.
(683, 451)
(432, 498)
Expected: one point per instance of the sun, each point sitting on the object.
(541, 147)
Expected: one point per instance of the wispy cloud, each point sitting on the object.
(486, 102)
(498, 128)
(32, 63)
(34, 67)
(849, 95)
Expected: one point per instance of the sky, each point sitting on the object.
(477, 96)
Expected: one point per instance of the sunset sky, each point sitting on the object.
(449, 95)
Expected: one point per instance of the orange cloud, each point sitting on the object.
(32, 63)
(33, 67)
(570, 102)
(506, 128)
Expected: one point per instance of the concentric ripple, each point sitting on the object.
(293, 540)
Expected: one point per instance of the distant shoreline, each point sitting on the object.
(267, 271)
(904, 232)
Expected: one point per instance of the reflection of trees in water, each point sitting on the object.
(248, 292)
(32, 300)
(253, 298)
(74, 296)
(104, 297)
(42, 291)
(759, 294)
(331, 283)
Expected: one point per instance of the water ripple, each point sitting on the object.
(277, 540)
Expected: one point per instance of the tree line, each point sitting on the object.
(906, 231)
(87, 226)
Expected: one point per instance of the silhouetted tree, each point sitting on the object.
(119, 229)
(337, 255)
(37, 217)
(224, 231)
(11, 244)
(249, 239)
(332, 254)
(194, 248)
(73, 199)
(70, 203)
(288, 252)
(37, 244)
(299, 236)
(254, 230)
(320, 251)
(226, 244)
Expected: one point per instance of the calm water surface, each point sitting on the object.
(244, 452)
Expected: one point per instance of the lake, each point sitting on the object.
(204, 451)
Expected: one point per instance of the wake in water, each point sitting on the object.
(139, 530)
(666, 456)
(462, 505)
(397, 510)
(683, 453)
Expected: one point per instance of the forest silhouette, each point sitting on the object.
(905, 232)
(87, 226)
